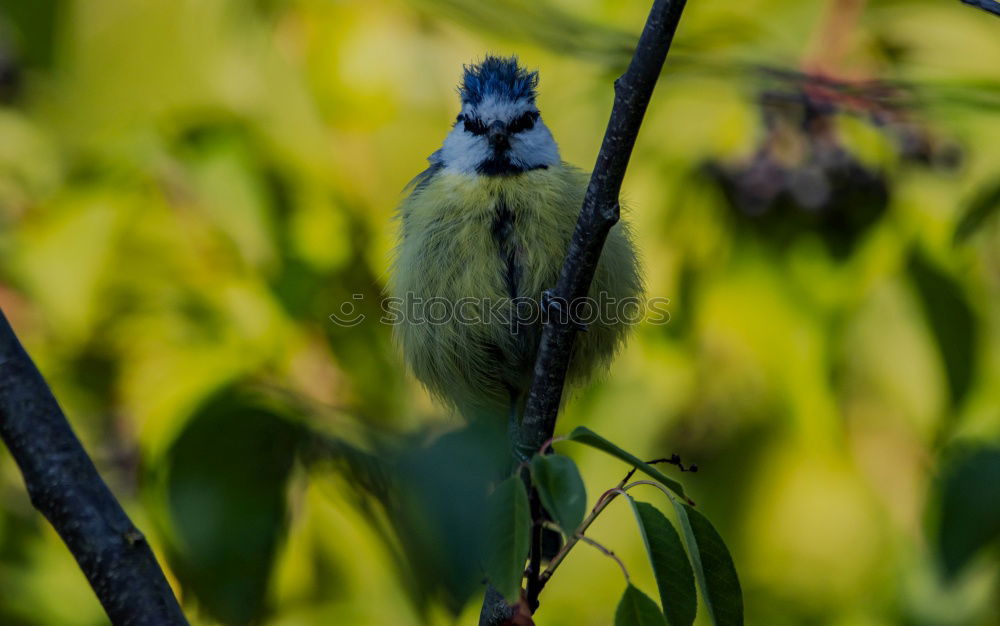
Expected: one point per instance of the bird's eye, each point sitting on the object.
(475, 126)
(524, 122)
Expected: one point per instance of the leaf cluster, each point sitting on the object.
(679, 559)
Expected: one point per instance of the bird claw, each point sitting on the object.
(549, 301)
(552, 304)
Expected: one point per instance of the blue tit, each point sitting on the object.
(483, 233)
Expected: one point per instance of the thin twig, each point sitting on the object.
(607, 553)
(674, 460)
(602, 503)
(64, 486)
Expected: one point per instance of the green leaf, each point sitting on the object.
(713, 567)
(225, 490)
(970, 507)
(637, 609)
(984, 206)
(509, 537)
(440, 510)
(671, 568)
(951, 320)
(582, 434)
(560, 488)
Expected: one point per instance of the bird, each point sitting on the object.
(482, 237)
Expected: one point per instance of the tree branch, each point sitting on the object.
(599, 213)
(533, 587)
(64, 486)
(991, 6)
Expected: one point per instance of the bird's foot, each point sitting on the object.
(552, 304)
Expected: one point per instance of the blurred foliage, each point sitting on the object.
(227, 473)
(969, 508)
(189, 189)
(985, 204)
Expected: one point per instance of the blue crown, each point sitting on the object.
(501, 78)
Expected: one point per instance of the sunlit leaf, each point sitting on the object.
(713, 567)
(560, 488)
(969, 507)
(637, 609)
(671, 568)
(584, 435)
(951, 320)
(509, 536)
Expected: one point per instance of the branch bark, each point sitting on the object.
(599, 213)
(64, 486)
(990, 6)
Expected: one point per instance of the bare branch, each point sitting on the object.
(64, 486)
(598, 214)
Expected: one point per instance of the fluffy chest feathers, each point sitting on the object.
(489, 237)
(469, 246)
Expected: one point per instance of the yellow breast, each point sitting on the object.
(448, 256)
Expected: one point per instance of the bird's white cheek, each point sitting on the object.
(463, 151)
(535, 147)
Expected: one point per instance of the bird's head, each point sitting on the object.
(499, 131)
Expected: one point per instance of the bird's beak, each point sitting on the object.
(499, 139)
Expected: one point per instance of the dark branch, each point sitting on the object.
(64, 485)
(495, 611)
(534, 585)
(986, 5)
(599, 213)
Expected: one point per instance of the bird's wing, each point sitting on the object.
(416, 185)
(423, 178)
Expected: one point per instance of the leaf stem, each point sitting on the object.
(602, 503)
(608, 553)
(651, 484)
